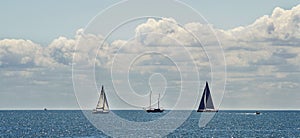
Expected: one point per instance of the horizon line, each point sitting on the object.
(77, 109)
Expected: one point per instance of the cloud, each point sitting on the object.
(21, 53)
(23, 73)
(165, 31)
(279, 28)
(59, 53)
(61, 50)
(264, 55)
(17, 52)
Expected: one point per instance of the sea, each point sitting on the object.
(74, 123)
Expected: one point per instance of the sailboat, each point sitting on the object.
(206, 103)
(154, 110)
(102, 106)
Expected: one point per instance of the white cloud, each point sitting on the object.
(163, 32)
(59, 53)
(23, 53)
(282, 27)
(22, 73)
(62, 49)
(268, 48)
(17, 52)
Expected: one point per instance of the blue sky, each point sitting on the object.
(37, 40)
(43, 21)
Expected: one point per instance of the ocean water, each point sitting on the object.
(224, 124)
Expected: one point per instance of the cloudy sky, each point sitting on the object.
(260, 42)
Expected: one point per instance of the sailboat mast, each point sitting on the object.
(158, 101)
(150, 98)
(104, 98)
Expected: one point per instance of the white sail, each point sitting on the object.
(102, 105)
(100, 101)
(105, 104)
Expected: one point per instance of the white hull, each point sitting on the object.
(100, 112)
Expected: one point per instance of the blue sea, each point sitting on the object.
(59, 123)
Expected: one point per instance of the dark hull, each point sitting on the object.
(154, 110)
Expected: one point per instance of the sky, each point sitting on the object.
(42, 22)
(260, 40)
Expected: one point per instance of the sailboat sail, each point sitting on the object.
(105, 105)
(209, 102)
(206, 103)
(202, 103)
(100, 101)
(102, 104)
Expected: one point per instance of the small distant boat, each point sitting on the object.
(102, 106)
(154, 110)
(257, 112)
(206, 103)
(45, 109)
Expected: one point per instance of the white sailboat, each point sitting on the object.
(102, 106)
(206, 104)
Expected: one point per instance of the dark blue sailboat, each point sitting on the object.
(206, 104)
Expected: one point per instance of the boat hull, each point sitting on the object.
(100, 112)
(207, 110)
(154, 110)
